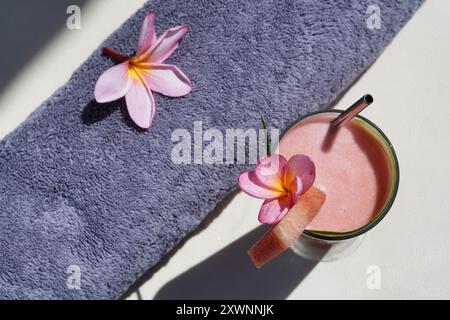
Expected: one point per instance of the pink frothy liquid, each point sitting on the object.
(352, 167)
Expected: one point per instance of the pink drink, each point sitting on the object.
(353, 167)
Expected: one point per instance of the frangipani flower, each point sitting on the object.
(136, 77)
(279, 182)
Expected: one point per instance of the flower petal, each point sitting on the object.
(167, 79)
(269, 171)
(253, 187)
(140, 104)
(148, 36)
(113, 84)
(166, 44)
(274, 210)
(299, 166)
(296, 188)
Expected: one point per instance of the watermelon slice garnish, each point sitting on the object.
(285, 232)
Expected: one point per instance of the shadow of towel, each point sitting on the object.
(229, 274)
(25, 28)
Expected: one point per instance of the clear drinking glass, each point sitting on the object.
(329, 246)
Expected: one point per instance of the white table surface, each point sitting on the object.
(411, 85)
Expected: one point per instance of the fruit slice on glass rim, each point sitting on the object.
(285, 232)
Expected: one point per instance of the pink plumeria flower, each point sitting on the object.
(136, 77)
(279, 182)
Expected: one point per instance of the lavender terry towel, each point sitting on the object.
(82, 189)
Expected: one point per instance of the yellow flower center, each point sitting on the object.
(136, 67)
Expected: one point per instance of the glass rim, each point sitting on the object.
(334, 236)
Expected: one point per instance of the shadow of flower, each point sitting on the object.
(95, 112)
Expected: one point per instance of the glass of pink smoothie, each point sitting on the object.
(357, 168)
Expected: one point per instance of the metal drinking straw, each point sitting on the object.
(352, 111)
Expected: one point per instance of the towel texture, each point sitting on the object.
(81, 187)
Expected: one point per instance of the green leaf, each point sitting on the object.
(264, 126)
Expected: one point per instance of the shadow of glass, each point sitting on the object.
(378, 160)
(25, 27)
(229, 274)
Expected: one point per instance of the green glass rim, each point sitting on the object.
(334, 236)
